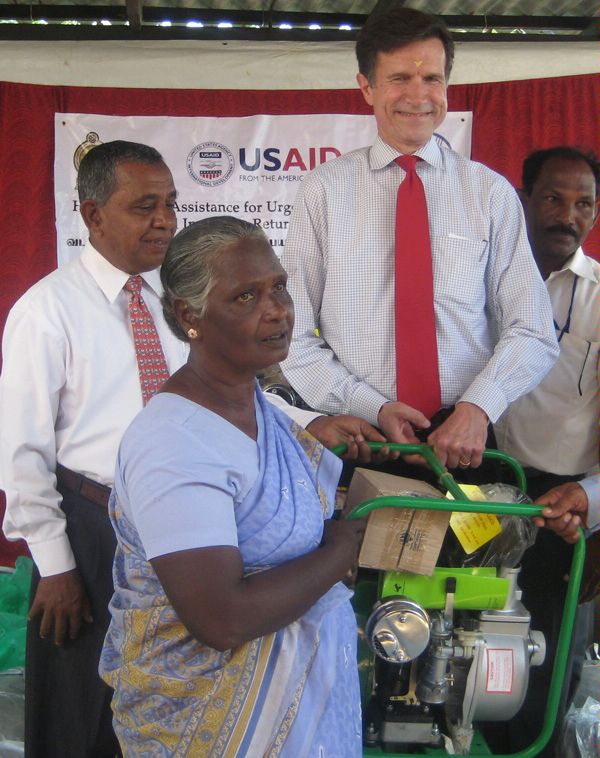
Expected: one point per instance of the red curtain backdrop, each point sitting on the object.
(509, 120)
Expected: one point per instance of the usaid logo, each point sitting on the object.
(210, 164)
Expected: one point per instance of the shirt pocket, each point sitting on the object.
(575, 373)
(459, 270)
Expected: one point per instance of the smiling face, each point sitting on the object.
(560, 211)
(249, 317)
(133, 229)
(408, 93)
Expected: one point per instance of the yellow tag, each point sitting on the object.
(473, 529)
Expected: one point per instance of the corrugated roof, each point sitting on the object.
(296, 19)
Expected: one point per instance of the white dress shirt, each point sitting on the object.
(493, 316)
(591, 485)
(554, 428)
(69, 389)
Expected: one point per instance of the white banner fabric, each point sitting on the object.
(273, 65)
(248, 167)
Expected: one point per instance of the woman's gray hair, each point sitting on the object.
(188, 271)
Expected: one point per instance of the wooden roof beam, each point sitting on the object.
(134, 13)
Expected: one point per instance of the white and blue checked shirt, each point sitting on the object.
(494, 326)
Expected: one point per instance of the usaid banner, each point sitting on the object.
(248, 167)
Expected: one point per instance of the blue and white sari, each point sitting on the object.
(294, 693)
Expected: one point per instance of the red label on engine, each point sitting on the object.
(500, 671)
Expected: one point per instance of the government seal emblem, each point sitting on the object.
(210, 164)
(91, 141)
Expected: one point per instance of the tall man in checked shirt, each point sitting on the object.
(493, 319)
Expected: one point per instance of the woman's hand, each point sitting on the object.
(345, 536)
(352, 532)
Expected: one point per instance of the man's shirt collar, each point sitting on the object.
(381, 154)
(580, 265)
(110, 279)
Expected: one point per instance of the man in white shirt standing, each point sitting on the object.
(553, 430)
(69, 388)
(493, 321)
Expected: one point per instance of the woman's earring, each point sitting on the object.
(192, 334)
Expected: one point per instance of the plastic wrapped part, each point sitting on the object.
(12, 708)
(518, 533)
(506, 549)
(587, 729)
(581, 735)
(11, 748)
(504, 493)
(14, 604)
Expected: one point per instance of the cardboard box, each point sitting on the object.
(398, 539)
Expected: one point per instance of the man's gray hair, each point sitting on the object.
(96, 178)
(188, 271)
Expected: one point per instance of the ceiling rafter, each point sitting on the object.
(134, 13)
(134, 19)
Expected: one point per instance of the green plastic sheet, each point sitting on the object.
(14, 604)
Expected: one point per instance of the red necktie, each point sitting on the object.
(417, 374)
(152, 365)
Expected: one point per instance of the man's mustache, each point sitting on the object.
(562, 229)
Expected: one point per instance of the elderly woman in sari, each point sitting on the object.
(232, 632)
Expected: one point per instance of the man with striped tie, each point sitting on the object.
(84, 349)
